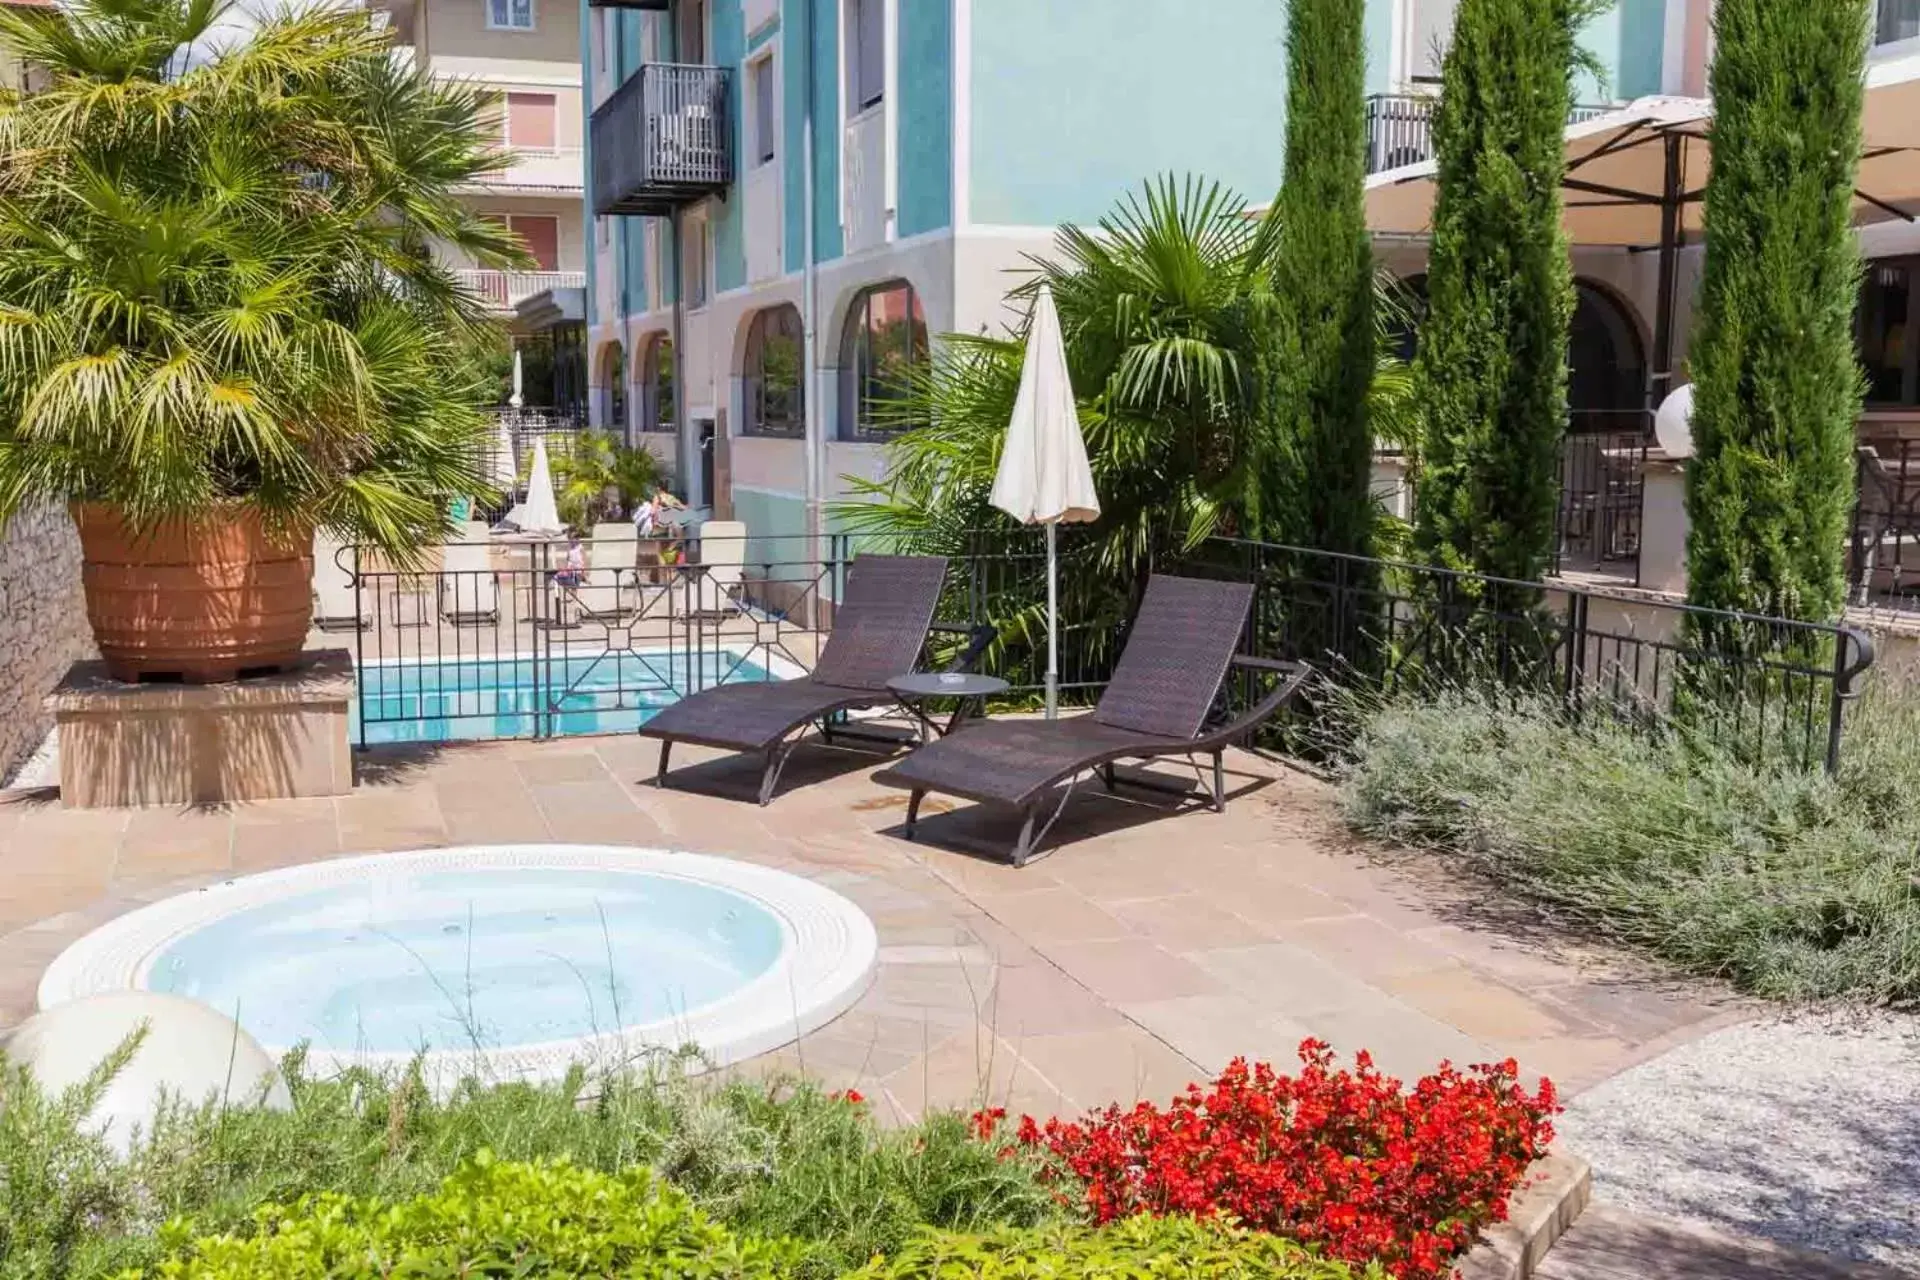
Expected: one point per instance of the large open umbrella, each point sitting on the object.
(1044, 477)
(1636, 177)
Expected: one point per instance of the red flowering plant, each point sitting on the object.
(1347, 1161)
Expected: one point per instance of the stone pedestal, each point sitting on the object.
(1663, 526)
(261, 739)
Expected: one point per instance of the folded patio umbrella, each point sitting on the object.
(540, 514)
(506, 476)
(1044, 477)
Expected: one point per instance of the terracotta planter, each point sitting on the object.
(202, 602)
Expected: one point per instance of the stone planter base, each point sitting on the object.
(1557, 1190)
(268, 738)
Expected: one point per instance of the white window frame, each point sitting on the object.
(763, 151)
(533, 16)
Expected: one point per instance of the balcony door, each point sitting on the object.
(691, 38)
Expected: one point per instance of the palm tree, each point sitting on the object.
(217, 284)
(1169, 317)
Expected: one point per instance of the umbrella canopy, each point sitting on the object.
(540, 514)
(1626, 168)
(1636, 177)
(1044, 477)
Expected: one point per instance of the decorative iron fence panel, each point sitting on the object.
(503, 640)
(1763, 685)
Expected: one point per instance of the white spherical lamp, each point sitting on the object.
(1673, 422)
(190, 1052)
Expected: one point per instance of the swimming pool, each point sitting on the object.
(521, 696)
(509, 961)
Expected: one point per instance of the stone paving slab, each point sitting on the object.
(1611, 1244)
(1146, 950)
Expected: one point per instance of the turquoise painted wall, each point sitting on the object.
(827, 242)
(924, 117)
(773, 520)
(1379, 46)
(1642, 47)
(726, 46)
(1073, 104)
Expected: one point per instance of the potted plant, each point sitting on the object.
(221, 322)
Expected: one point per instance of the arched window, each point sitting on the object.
(613, 376)
(657, 411)
(1606, 366)
(884, 341)
(775, 386)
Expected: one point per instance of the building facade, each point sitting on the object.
(790, 198)
(525, 54)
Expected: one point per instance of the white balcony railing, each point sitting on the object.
(557, 168)
(504, 290)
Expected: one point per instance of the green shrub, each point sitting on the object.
(1790, 883)
(1491, 371)
(491, 1218)
(772, 1159)
(1776, 374)
(1163, 1248)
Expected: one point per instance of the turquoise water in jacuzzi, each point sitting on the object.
(477, 958)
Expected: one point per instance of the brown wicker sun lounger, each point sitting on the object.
(879, 629)
(1177, 656)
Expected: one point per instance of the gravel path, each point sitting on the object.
(1804, 1130)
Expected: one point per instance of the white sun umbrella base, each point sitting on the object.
(1044, 477)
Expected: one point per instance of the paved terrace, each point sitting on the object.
(1143, 953)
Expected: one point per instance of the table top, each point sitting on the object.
(947, 684)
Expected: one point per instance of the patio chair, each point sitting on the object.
(880, 627)
(337, 603)
(717, 578)
(468, 593)
(1177, 657)
(610, 587)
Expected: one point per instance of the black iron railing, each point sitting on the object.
(1884, 549)
(502, 639)
(1602, 485)
(662, 140)
(1768, 686)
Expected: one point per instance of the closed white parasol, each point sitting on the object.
(1044, 477)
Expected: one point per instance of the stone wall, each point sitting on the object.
(43, 624)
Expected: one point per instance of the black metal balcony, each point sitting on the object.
(1400, 128)
(663, 140)
(657, 6)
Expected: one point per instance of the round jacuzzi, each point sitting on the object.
(509, 961)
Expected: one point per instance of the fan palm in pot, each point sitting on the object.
(221, 322)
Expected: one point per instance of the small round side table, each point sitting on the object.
(968, 692)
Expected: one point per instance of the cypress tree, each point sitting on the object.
(1491, 372)
(1777, 385)
(1323, 279)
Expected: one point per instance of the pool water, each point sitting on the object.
(473, 959)
(515, 697)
